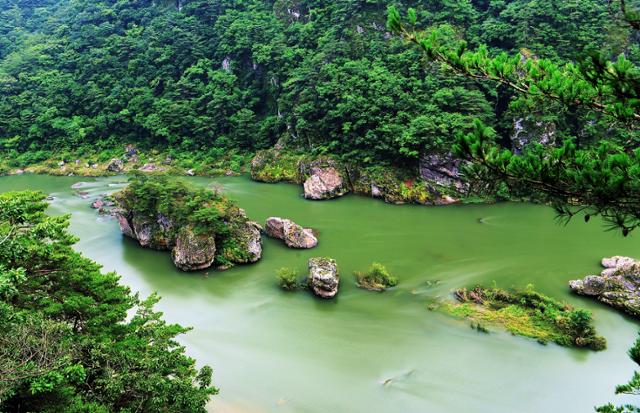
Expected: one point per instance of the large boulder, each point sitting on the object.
(618, 285)
(192, 251)
(323, 277)
(293, 235)
(324, 183)
(115, 165)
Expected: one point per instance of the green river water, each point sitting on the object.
(274, 351)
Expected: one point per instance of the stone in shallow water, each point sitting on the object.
(323, 277)
(291, 233)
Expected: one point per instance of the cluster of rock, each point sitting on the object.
(618, 285)
(293, 235)
(325, 178)
(192, 249)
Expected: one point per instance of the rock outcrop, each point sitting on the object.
(442, 170)
(223, 238)
(618, 285)
(323, 277)
(528, 130)
(293, 235)
(250, 242)
(192, 251)
(115, 165)
(324, 183)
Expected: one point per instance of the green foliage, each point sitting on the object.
(632, 387)
(210, 78)
(288, 279)
(185, 205)
(376, 278)
(74, 339)
(530, 314)
(594, 170)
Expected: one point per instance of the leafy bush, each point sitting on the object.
(287, 279)
(376, 278)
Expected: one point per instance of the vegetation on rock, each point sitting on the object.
(376, 278)
(167, 213)
(73, 338)
(528, 313)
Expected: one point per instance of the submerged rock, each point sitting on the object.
(618, 285)
(294, 235)
(115, 165)
(324, 183)
(323, 277)
(192, 251)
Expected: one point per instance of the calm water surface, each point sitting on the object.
(287, 352)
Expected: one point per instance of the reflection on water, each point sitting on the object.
(368, 352)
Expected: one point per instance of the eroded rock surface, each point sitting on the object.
(294, 235)
(618, 285)
(192, 251)
(324, 183)
(323, 277)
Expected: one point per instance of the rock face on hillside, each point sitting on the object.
(232, 239)
(323, 277)
(324, 183)
(528, 130)
(441, 169)
(291, 233)
(618, 285)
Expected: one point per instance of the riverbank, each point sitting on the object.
(436, 182)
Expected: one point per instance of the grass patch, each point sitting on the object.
(529, 314)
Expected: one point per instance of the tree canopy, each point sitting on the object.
(74, 339)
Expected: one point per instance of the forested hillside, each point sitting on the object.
(210, 78)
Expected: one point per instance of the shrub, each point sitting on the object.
(288, 279)
(376, 278)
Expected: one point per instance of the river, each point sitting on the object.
(274, 351)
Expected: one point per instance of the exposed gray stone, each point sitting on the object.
(324, 279)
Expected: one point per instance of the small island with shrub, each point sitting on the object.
(376, 278)
(529, 314)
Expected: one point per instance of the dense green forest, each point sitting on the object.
(73, 338)
(213, 78)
